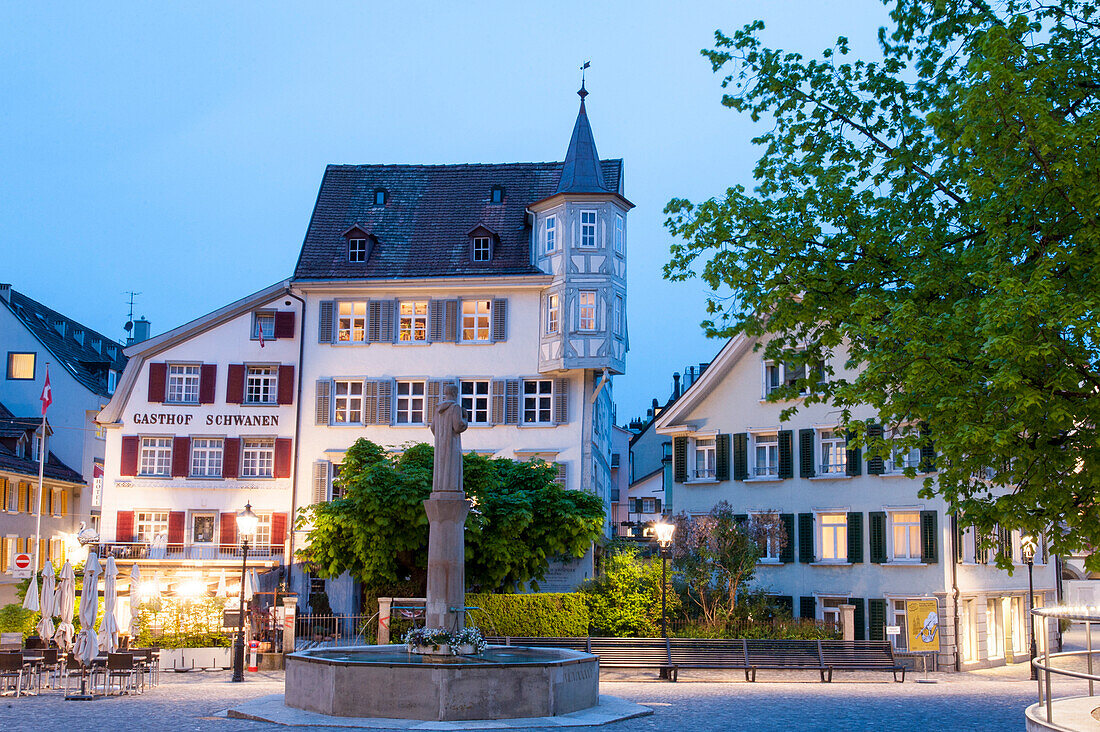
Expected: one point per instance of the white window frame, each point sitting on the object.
(13, 497)
(207, 454)
(351, 321)
(771, 542)
(649, 504)
(261, 384)
(112, 381)
(588, 229)
(705, 447)
(347, 398)
(908, 532)
(828, 609)
(770, 442)
(994, 628)
(410, 395)
(833, 525)
(620, 234)
(474, 394)
(148, 525)
(550, 234)
(261, 537)
(263, 319)
(900, 459)
(897, 616)
(586, 310)
(258, 457)
(412, 321)
(969, 627)
(155, 457)
(553, 312)
(483, 249)
(182, 383)
(538, 401)
(213, 516)
(838, 446)
(779, 370)
(617, 314)
(357, 250)
(476, 320)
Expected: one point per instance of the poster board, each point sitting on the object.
(922, 624)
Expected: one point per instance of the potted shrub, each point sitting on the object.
(440, 642)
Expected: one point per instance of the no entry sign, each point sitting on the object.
(21, 564)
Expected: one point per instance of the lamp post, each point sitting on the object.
(246, 526)
(664, 540)
(1027, 548)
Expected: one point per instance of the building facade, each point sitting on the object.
(856, 531)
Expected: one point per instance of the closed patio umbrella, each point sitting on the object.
(135, 600)
(86, 646)
(249, 587)
(30, 601)
(108, 624)
(64, 601)
(221, 591)
(48, 605)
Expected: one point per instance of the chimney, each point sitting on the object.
(676, 385)
(141, 329)
(5, 291)
(649, 414)
(702, 368)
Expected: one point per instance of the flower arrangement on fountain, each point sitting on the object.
(442, 642)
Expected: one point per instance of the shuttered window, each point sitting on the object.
(786, 551)
(877, 613)
(679, 459)
(741, 456)
(722, 457)
(321, 481)
(323, 390)
(561, 401)
(807, 608)
(806, 453)
(500, 320)
(875, 465)
(806, 553)
(877, 534)
(325, 320)
(786, 454)
(930, 548)
(855, 537)
(859, 618)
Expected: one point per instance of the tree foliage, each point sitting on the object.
(378, 530)
(930, 218)
(624, 600)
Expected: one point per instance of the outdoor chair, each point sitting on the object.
(120, 668)
(143, 662)
(74, 669)
(15, 675)
(50, 665)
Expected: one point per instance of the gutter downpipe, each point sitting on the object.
(297, 435)
(955, 584)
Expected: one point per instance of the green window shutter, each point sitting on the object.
(806, 453)
(877, 531)
(855, 537)
(741, 456)
(786, 554)
(927, 450)
(875, 465)
(929, 539)
(854, 462)
(860, 620)
(324, 321)
(806, 538)
(786, 602)
(959, 534)
(722, 457)
(807, 607)
(786, 454)
(877, 612)
(679, 459)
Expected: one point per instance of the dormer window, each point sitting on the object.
(379, 196)
(483, 249)
(359, 245)
(497, 195)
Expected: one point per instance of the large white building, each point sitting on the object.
(507, 279)
(857, 532)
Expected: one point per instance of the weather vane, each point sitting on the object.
(583, 93)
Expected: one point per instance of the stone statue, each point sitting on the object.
(448, 424)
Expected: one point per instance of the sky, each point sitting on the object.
(176, 149)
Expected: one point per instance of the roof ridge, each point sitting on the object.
(427, 166)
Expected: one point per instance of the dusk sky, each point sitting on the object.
(177, 149)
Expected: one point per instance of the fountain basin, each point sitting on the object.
(504, 682)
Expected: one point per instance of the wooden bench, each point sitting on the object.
(784, 655)
(707, 653)
(841, 655)
(573, 644)
(612, 652)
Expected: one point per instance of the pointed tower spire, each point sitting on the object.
(582, 172)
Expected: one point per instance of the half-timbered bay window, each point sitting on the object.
(620, 235)
(410, 402)
(261, 384)
(550, 234)
(766, 454)
(705, 458)
(349, 402)
(834, 537)
(352, 322)
(475, 319)
(538, 397)
(834, 453)
(413, 321)
(206, 457)
(156, 456)
(586, 310)
(183, 383)
(588, 229)
(475, 400)
(150, 524)
(906, 544)
(258, 458)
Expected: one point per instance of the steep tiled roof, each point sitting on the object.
(86, 361)
(423, 229)
(12, 426)
(581, 171)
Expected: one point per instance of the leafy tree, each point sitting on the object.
(625, 599)
(378, 530)
(930, 218)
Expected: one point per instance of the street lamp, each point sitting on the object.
(1027, 548)
(246, 526)
(664, 540)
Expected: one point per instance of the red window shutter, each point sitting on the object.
(158, 378)
(284, 324)
(231, 457)
(278, 529)
(181, 457)
(234, 386)
(208, 379)
(129, 456)
(124, 526)
(282, 457)
(175, 526)
(228, 536)
(286, 385)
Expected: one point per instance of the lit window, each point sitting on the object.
(260, 384)
(551, 234)
(620, 235)
(413, 322)
(261, 537)
(553, 313)
(351, 326)
(206, 457)
(183, 384)
(537, 398)
(586, 302)
(834, 453)
(704, 458)
(906, 530)
(357, 250)
(482, 249)
(265, 322)
(475, 400)
(349, 402)
(588, 229)
(834, 536)
(767, 454)
(258, 458)
(410, 402)
(156, 456)
(475, 320)
(151, 524)
(21, 366)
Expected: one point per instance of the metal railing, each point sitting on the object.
(834, 468)
(312, 631)
(181, 551)
(1044, 658)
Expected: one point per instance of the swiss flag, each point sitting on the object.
(47, 393)
(261, 329)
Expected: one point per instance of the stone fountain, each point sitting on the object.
(502, 682)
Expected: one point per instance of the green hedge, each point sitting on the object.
(557, 615)
(14, 619)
